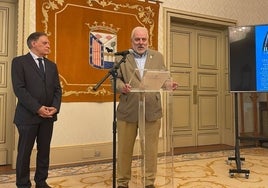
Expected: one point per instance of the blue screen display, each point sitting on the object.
(261, 38)
(248, 62)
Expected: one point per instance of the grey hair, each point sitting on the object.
(34, 37)
(139, 28)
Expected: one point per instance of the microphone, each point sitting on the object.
(123, 53)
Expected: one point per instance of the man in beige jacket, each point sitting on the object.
(128, 109)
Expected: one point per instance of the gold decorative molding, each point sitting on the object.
(95, 27)
(87, 90)
(146, 14)
(46, 7)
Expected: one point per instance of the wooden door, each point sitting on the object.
(7, 98)
(197, 62)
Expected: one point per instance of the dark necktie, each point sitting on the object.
(41, 66)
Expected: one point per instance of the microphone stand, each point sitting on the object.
(113, 72)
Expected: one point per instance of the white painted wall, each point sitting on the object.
(80, 123)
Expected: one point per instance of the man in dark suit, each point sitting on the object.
(38, 91)
(128, 110)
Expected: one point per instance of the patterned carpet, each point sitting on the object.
(199, 170)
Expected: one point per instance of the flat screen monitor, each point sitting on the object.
(248, 62)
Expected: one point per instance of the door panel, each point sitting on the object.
(181, 68)
(208, 113)
(180, 42)
(195, 64)
(207, 50)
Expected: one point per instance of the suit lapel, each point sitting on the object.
(148, 60)
(148, 63)
(32, 62)
(34, 65)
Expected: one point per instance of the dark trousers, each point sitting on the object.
(28, 134)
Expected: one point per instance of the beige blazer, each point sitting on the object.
(127, 109)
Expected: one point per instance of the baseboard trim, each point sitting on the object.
(85, 153)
